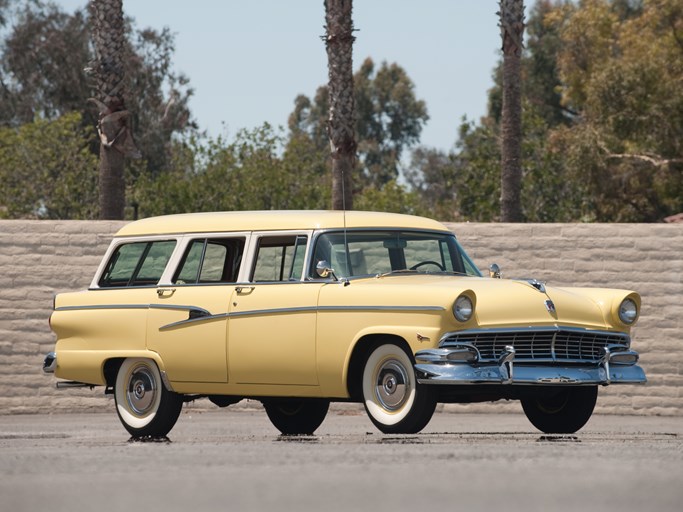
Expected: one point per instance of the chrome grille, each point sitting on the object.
(540, 344)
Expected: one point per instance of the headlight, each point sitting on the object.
(463, 308)
(628, 311)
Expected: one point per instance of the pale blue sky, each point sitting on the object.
(248, 59)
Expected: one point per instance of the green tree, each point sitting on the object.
(47, 170)
(627, 142)
(259, 170)
(42, 60)
(541, 84)
(43, 56)
(389, 120)
(432, 178)
(392, 197)
(602, 118)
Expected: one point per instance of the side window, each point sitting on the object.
(211, 260)
(137, 264)
(279, 258)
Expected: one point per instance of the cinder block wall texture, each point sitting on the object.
(41, 258)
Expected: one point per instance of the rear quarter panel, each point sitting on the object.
(95, 325)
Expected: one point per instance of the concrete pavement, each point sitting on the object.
(235, 460)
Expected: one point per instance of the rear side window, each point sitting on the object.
(137, 264)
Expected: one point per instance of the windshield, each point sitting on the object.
(370, 253)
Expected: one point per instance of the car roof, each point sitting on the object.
(274, 221)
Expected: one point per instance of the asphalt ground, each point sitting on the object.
(234, 460)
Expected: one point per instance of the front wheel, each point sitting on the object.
(393, 399)
(563, 412)
(294, 416)
(144, 405)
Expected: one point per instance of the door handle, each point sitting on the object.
(165, 292)
(244, 290)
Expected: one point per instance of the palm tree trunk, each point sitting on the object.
(512, 31)
(113, 127)
(340, 123)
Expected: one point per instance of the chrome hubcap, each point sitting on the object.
(392, 386)
(142, 390)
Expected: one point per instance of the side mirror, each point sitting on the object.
(324, 270)
(494, 271)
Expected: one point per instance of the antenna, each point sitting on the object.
(346, 243)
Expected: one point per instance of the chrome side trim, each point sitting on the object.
(273, 311)
(381, 308)
(335, 308)
(134, 306)
(103, 306)
(256, 311)
(193, 321)
(196, 309)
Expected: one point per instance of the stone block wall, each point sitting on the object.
(41, 258)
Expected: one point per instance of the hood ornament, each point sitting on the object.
(540, 286)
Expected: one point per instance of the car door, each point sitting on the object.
(273, 316)
(188, 321)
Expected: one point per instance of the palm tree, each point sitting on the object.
(512, 31)
(116, 139)
(340, 123)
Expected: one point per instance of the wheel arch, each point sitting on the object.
(111, 369)
(360, 353)
(111, 366)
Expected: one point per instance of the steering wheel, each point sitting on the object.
(428, 262)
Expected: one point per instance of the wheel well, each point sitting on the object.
(111, 369)
(360, 353)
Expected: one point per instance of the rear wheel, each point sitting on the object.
(144, 405)
(296, 415)
(393, 399)
(563, 412)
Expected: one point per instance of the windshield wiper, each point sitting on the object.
(400, 271)
(435, 272)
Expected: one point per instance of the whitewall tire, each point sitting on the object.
(393, 399)
(144, 405)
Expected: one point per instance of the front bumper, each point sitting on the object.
(457, 365)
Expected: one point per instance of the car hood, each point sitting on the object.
(499, 302)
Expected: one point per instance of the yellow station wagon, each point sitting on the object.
(300, 309)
